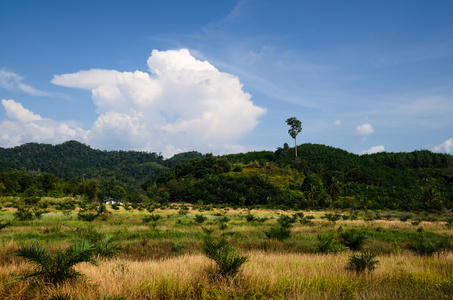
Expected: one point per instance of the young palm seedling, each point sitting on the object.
(228, 263)
(58, 267)
(362, 262)
(353, 239)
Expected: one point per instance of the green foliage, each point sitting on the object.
(224, 219)
(27, 214)
(362, 262)
(200, 218)
(104, 247)
(60, 266)
(4, 224)
(152, 217)
(228, 263)
(91, 212)
(426, 246)
(332, 217)
(353, 239)
(23, 214)
(278, 233)
(420, 180)
(286, 221)
(249, 217)
(327, 243)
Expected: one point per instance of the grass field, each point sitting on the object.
(162, 254)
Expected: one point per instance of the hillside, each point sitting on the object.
(321, 176)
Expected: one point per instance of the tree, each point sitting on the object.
(296, 128)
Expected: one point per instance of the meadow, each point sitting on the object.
(159, 252)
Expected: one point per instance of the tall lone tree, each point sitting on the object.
(296, 127)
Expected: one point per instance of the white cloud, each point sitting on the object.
(11, 81)
(337, 123)
(26, 126)
(364, 129)
(17, 111)
(374, 149)
(181, 104)
(446, 146)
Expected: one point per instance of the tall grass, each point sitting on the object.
(166, 261)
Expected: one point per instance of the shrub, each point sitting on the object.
(249, 217)
(4, 224)
(228, 263)
(404, 218)
(86, 216)
(327, 243)
(427, 247)
(60, 266)
(278, 233)
(353, 239)
(332, 217)
(224, 219)
(223, 226)
(200, 218)
(363, 261)
(207, 231)
(23, 214)
(305, 221)
(286, 221)
(103, 246)
(152, 217)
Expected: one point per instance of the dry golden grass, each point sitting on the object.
(266, 275)
(147, 268)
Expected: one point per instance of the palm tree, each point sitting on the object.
(312, 193)
(296, 128)
(60, 266)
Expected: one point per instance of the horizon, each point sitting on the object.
(222, 77)
(205, 153)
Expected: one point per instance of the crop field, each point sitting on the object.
(204, 252)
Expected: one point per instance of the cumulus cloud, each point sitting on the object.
(25, 126)
(374, 149)
(364, 129)
(11, 81)
(446, 146)
(181, 104)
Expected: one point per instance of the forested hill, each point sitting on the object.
(321, 176)
(75, 160)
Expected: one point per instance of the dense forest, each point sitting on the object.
(320, 177)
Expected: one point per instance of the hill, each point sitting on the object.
(321, 176)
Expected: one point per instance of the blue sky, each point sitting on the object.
(223, 76)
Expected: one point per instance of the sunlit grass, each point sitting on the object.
(149, 267)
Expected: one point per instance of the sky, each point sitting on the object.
(223, 76)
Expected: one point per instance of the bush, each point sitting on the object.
(224, 219)
(228, 263)
(305, 221)
(363, 261)
(23, 214)
(286, 221)
(87, 216)
(104, 248)
(327, 243)
(427, 247)
(60, 266)
(4, 224)
(152, 217)
(249, 217)
(332, 217)
(278, 233)
(200, 218)
(353, 239)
